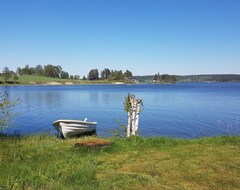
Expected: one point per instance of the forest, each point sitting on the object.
(192, 78)
(56, 71)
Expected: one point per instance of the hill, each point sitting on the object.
(195, 78)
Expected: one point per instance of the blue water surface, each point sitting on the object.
(185, 110)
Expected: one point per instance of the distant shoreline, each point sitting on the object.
(61, 84)
(32, 80)
(196, 78)
(107, 83)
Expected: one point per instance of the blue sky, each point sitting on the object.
(143, 36)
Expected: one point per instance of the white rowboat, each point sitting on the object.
(69, 128)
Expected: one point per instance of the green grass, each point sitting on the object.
(44, 162)
(33, 79)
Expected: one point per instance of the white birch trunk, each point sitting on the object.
(134, 117)
(129, 124)
(137, 114)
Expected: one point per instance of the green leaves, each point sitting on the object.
(127, 103)
(7, 113)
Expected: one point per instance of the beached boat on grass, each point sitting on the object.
(68, 128)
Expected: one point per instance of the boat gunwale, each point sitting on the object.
(68, 121)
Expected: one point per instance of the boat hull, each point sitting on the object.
(70, 128)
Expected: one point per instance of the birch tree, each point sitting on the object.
(133, 108)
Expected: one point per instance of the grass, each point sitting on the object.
(44, 162)
(33, 79)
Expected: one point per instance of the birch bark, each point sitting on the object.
(134, 117)
(129, 124)
(137, 114)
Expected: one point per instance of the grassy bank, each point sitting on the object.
(39, 80)
(44, 162)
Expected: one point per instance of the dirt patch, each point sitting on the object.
(68, 83)
(53, 83)
(118, 83)
(93, 143)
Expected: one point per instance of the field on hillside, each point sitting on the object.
(32, 79)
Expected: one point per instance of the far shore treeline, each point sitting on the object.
(50, 72)
(56, 71)
(193, 78)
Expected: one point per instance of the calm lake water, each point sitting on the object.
(185, 110)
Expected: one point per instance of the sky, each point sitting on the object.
(144, 36)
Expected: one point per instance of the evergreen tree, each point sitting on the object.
(93, 74)
(128, 73)
(105, 74)
(6, 74)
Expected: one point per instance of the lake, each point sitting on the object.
(185, 110)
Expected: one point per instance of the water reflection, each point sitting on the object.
(93, 97)
(42, 101)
